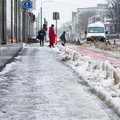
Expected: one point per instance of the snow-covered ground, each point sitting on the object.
(102, 77)
(38, 86)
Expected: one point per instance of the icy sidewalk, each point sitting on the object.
(38, 86)
(101, 76)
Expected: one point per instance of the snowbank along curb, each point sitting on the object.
(102, 77)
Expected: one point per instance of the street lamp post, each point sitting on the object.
(118, 21)
(41, 10)
(41, 14)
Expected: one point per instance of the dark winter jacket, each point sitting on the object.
(41, 34)
(62, 37)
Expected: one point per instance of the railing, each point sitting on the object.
(113, 36)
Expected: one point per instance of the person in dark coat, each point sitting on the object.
(52, 36)
(41, 36)
(63, 38)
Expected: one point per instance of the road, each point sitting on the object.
(37, 85)
(97, 54)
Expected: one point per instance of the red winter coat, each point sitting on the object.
(52, 35)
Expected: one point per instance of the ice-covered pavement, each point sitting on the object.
(102, 77)
(38, 86)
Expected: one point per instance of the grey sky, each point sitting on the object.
(64, 7)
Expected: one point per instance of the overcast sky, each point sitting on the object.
(64, 7)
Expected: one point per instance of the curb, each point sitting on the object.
(10, 60)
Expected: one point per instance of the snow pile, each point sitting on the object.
(102, 77)
(25, 45)
(108, 46)
(7, 68)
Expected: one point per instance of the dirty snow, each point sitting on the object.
(102, 77)
(38, 86)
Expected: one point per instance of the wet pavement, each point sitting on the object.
(7, 52)
(38, 86)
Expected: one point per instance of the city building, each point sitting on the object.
(84, 16)
(74, 25)
(10, 21)
(28, 21)
(15, 27)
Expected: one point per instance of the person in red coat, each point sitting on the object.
(52, 36)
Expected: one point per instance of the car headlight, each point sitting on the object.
(89, 37)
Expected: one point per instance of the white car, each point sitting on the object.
(96, 31)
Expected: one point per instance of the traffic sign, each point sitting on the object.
(27, 4)
(56, 16)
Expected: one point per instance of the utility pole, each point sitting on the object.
(118, 24)
(3, 22)
(56, 17)
(11, 21)
(41, 14)
(42, 10)
(56, 30)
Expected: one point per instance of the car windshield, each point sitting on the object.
(96, 30)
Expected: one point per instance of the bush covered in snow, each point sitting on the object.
(108, 46)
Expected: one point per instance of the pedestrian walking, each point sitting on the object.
(63, 38)
(41, 35)
(52, 36)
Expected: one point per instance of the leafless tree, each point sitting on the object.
(113, 12)
(64, 27)
(83, 19)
